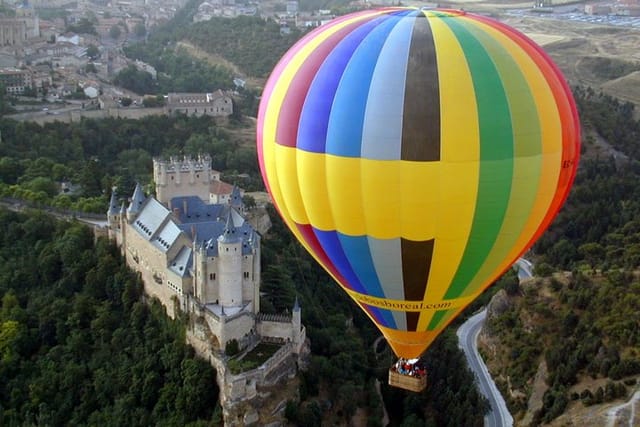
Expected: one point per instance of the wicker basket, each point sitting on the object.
(407, 382)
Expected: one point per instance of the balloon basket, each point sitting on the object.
(407, 378)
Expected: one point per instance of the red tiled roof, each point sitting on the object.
(220, 188)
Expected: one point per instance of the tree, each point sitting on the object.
(93, 52)
(593, 252)
(9, 333)
(10, 170)
(249, 201)
(42, 184)
(232, 348)
(89, 357)
(139, 29)
(30, 91)
(153, 101)
(4, 105)
(115, 32)
(278, 287)
(83, 26)
(135, 80)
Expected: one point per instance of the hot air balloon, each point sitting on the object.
(416, 154)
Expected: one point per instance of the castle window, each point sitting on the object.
(246, 274)
(172, 178)
(210, 276)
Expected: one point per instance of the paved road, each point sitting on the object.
(525, 268)
(499, 415)
(467, 339)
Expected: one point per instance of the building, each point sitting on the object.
(215, 104)
(41, 79)
(597, 9)
(13, 32)
(199, 258)
(15, 81)
(17, 30)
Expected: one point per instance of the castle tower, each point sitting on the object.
(254, 241)
(122, 236)
(296, 322)
(113, 214)
(136, 203)
(230, 265)
(186, 177)
(200, 265)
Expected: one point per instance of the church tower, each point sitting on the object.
(230, 265)
(177, 177)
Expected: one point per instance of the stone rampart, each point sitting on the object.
(78, 115)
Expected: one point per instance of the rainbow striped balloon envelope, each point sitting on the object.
(417, 154)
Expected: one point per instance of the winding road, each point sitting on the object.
(499, 415)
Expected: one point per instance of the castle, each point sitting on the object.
(198, 255)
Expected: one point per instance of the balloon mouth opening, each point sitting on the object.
(406, 344)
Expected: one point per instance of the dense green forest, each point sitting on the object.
(581, 326)
(599, 227)
(77, 344)
(243, 41)
(99, 154)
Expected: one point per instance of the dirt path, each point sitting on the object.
(213, 59)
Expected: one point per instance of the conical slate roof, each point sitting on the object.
(137, 200)
(229, 234)
(114, 209)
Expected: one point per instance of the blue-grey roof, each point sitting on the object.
(113, 203)
(182, 262)
(229, 234)
(236, 198)
(137, 200)
(192, 209)
(205, 223)
(166, 236)
(150, 219)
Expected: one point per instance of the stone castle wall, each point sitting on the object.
(278, 329)
(239, 327)
(151, 263)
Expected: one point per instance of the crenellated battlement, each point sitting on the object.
(173, 176)
(184, 164)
